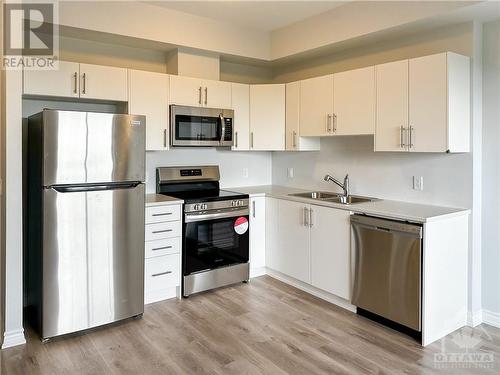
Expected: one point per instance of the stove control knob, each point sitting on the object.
(204, 206)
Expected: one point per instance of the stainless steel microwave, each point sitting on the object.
(201, 127)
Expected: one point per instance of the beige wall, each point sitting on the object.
(243, 73)
(456, 38)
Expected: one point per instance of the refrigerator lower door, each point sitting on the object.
(93, 257)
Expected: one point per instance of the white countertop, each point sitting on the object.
(413, 212)
(161, 200)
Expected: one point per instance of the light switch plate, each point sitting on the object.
(418, 183)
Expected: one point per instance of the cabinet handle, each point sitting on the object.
(251, 139)
(163, 214)
(161, 248)
(161, 273)
(294, 139)
(410, 141)
(199, 95)
(311, 217)
(75, 76)
(334, 123)
(235, 139)
(305, 217)
(253, 209)
(401, 136)
(328, 122)
(206, 95)
(162, 231)
(165, 138)
(84, 89)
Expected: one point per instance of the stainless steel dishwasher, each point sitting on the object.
(388, 270)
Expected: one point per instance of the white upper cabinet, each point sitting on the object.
(439, 103)
(267, 117)
(186, 91)
(148, 95)
(423, 104)
(198, 92)
(330, 250)
(354, 102)
(293, 140)
(316, 106)
(392, 106)
(241, 105)
(103, 82)
(216, 94)
(63, 82)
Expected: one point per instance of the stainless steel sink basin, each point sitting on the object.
(321, 195)
(333, 197)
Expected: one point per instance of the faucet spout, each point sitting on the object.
(344, 185)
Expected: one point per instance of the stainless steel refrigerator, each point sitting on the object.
(85, 227)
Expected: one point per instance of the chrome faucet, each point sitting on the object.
(344, 186)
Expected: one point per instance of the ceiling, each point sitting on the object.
(259, 15)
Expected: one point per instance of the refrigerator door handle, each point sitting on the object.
(94, 187)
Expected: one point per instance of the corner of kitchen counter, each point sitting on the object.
(161, 200)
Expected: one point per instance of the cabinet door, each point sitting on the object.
(293, 240)
(257, 235)
(392, 106)
(428, 104)
(292, 116)
(186, 91)
(267, 117)
(273, 255)
(62, 82)
(103, 82)
(241, 105)
(354, 102)
(216, 94)
(316, 106)
(148, 95)
(330, 250)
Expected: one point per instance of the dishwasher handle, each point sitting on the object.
(386, 225)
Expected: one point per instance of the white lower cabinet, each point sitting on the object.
(330, 250)
(162, 266)
(309, 243)
(257, 236)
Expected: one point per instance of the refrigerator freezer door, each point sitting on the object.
(86, 147)
(93, 258)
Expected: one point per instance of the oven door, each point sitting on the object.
(214, 240)
(193, 126)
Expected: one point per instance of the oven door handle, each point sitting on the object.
(192, 217)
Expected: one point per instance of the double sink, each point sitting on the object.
(333, 198)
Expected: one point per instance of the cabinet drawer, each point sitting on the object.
(160, 214)
(163, 247)
(161, 273)
(159, 231)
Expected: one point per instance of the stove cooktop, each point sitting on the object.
(206, 196)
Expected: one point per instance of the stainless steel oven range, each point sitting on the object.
(215, 249)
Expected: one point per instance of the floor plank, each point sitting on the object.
(263, 327)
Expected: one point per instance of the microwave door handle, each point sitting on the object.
(223, 128)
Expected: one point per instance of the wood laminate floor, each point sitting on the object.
(263, 327)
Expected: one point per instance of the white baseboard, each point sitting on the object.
(474, 318)
(492, 318)
(160, 295)
(312, 290)
(258, 271)
(13, 338)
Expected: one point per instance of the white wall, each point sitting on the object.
(232, 165)
(382, 174)
(491, 163)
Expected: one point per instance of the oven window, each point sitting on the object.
(214, 243)
(197, 128)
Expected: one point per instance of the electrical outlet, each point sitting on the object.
(289, 172)
(418, 183)
(245, 172)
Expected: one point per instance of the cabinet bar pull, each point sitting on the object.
(165, 138)
(305, 217)
(206, 95)
(162, 231)
(199, 95)
(161, 273)
(401, 136)
(410, 142)
(161, 248)
(163, 214)
(253, 209)
(236, 139)
(84, 89)
(334, 123)
(251, 139)
(328, 120)
(75, 91)
(311, 217)
(294, 139)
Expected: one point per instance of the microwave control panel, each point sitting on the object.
(228, 129)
